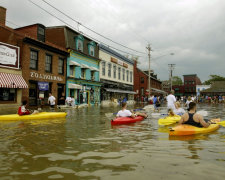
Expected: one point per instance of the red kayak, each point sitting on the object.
(126, 120)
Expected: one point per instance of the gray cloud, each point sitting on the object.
(192, 29)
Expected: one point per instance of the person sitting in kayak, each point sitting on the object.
(23, 111)
(126, 113)
(192, 118)
(179, 111)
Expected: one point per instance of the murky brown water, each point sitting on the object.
(85, 146)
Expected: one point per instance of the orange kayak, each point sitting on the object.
(185, 129)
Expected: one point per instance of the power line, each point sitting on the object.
(83, 33)
(90, 28)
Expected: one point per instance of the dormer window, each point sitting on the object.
(79, 43)
(41, 33)
(91, 48)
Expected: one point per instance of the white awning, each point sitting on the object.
(84, 66)
(158, 90)
(120, 91)
(73, 63)
(94, 69)
(74, 86)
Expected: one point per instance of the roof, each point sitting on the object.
(216, 87)
(23, 27)
(190, 75)
(114, 53)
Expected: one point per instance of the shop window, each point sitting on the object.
(71, 70)
(48, 63)
(131, 76)
(33, 59)
(123, 74)
(82, 73)
(109, 69)
(114, 71)
(8, 94)
(61, 65)
(127, 75)
(142, 79)
(103, 68)
(119, 72)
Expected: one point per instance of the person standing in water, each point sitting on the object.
(51, 100)
(171, 100)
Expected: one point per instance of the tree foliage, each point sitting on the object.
(214, 77)
(176, 80)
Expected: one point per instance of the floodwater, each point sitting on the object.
(85, 146)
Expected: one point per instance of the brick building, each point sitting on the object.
(141, 83)
(190, 82)
(43, 66)
(83, 83)
(11, 80)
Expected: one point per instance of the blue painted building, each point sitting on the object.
(83, 82)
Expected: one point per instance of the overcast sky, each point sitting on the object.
(194, 30)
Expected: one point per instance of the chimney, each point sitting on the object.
(2, 15)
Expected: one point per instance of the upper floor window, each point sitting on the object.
(48, 63)
(33, 59)
(103, 68)
(71, 70)
(142, 79)
(83, 73)
(79, 43)
(127, 75)
(123, 74)
(119, 72)
(92, 75)
(114, 71)
(91, 48)
(109, 69)
(41, 33)
(60, 65)
(131, 76)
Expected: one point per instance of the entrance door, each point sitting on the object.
(33, 94)
(60, 92)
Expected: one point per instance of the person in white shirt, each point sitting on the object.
(179, 111)
(126, 113)
(69, 101)
(51, 100)
(171, 101)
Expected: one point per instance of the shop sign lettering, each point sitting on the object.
(120, 62)
(45, 77)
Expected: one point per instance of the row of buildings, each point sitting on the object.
(36, 60)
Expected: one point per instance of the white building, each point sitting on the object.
(116, 74)
(199, 88)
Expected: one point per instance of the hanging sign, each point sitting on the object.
(43, 86)
(9, 56)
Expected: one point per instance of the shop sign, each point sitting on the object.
(9, 56)
(43, 86)
(114, 60)
(45, 77)
(120, 62)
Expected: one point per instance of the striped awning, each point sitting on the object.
(12, 81)
(120, 91)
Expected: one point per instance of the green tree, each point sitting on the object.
(176, 80)
(214, 77)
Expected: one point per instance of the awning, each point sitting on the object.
(74, 86)
(158, 90)
(93, 69)
(73, 63)
(12, 81)
(84, 66)
(120, 91)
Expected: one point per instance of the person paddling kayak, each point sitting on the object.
(192, 118)
(23, 111)
(126, 113)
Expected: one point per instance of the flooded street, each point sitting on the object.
(85, 146)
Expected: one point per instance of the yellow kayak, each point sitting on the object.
(41, 115)
(169, 120)
(185, 129)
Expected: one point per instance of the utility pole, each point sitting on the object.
(171, 68)
(149, 69)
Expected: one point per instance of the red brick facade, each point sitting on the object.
(141, 82)
(190, 82)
